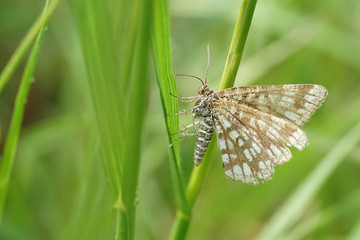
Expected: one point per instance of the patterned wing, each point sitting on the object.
(253, 142)
(293, 102)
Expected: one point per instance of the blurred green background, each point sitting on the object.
(58, 188)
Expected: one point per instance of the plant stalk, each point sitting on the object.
(181, 223)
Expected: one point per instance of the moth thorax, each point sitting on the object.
(202, 108)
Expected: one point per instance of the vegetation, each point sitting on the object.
(84, 148)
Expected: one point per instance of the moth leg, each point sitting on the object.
(183, 136)
(180, 113)
(184, 99)
(185, 128)
(193, 123)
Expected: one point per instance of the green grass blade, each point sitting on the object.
(291, 210)
(11, 141)
(119, 126)
(94, 28)
(125, 34)
(136, 115)
(25, 44)
(161, 50)
(166, 82)
(242, 26)
(94, 25)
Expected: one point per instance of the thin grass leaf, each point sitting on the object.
(160, 34)
(137, 108)
(94, 25)
(163, 65)
(291, 210)
(25, 44)
(12, 138)
(180, 226)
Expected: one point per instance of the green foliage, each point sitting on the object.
(167, 86)
(119, 122)
(290, 211)
(12, 138)
(92, 159)
(242, 26)
(24, 46)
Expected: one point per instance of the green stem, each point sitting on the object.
(237, 44)
(241, 30)
(180, 226)
(17, 116)
(25, 44)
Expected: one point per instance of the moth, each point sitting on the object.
(255, 125)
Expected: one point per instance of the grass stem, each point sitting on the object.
(181, 224)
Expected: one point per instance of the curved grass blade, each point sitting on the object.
(94, 25)
(12, 138)
(136, 113)
(25, 44)
(160, 33)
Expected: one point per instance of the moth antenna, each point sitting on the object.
(188, 75)
(208, 64)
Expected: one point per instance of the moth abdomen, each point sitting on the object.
(204, 134)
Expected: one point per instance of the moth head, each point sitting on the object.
(203, 89)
